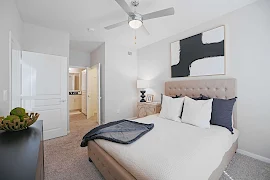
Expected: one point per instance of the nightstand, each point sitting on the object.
(146, 109)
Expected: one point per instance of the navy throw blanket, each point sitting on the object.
(123, 132)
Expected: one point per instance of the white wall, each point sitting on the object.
(98, 56)
(80, 59)
(247, 60)
(10, 21)
(43, 40)
(120, 79)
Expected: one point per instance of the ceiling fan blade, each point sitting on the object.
(116, 25)
(157, 14)
(125, 6)
(145, 30)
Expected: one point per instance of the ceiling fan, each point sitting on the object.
(135, 20)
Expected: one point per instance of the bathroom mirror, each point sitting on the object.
(74, 82)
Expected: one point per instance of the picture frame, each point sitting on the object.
(149, 98)
(209, 48)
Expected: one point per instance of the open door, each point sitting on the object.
(44, 90)
(93, 93)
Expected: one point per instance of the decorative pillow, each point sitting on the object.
(197, 98)
(203, 97)
(194, 98)
(222, 112)
(171, 108)
(197, 113)
(176, 96)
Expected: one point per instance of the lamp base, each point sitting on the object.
(143, 96)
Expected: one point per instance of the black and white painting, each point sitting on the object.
(199, 55)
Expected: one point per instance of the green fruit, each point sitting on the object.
(22, 117)
(12, 118)
(18, 112)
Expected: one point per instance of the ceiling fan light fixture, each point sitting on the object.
(135, 21)
(135, 24)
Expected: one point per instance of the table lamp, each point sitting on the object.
(142, 84)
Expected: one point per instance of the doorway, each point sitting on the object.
(77, 90)
(84, 93)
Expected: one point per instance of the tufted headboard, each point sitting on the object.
(214, 88)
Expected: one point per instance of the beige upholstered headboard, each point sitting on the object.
(214, 88)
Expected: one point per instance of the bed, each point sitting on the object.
(174, 154)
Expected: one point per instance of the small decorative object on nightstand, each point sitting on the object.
(142, 84)
(146, 109)
(149, 98)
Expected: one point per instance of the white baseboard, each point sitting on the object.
(255, 156)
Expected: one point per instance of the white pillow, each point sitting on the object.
(197, 113)
(171, 108)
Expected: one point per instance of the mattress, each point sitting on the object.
(173, 150)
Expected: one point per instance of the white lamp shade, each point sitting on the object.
(142, 84)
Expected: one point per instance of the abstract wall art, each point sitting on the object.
(199, 55)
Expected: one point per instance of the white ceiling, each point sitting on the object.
(75, 16)
(84, 46)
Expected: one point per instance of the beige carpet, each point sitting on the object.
(65, 159)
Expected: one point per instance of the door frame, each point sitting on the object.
(85, 67)
(12, 39)
(70, 66)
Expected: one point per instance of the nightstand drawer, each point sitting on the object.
(146, 109)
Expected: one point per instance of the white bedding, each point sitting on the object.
(173, 151)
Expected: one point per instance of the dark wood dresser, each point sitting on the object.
(22, 154)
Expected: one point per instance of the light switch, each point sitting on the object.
(5, 95)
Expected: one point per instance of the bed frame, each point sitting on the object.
(215, 88)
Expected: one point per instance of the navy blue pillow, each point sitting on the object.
(197, 98)
(176, 96)
(222, 112)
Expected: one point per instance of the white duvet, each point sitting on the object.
(173, 151)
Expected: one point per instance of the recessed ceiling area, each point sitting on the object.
(76, 16)
(84, 46)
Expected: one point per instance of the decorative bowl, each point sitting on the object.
(18, 124)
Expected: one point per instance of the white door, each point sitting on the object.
(16, 54)
(44, 90)
(93, 92)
